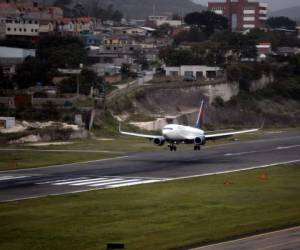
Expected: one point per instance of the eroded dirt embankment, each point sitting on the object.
(180, 105)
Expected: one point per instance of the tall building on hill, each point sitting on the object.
(241, 14)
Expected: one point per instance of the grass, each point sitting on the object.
(166, 215)
(29, 159)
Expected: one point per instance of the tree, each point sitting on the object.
(140, 59)
(281, 23)
(30, 72)
(174, 57)
(162, 31)
(61, 51)
(17, 43)
(240, 46)
(207, 21)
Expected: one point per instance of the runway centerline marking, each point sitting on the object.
(262, 151)
(288, 147)
(241, 153)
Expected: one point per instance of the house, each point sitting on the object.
(160, 20)
(90, 39)
(263, 50)
(287, 51)
(11, 57)
(195, 72)
(66, 25)
(116, 40)
(20, 27)
(46, 27)
(7, 122)
(31, 10)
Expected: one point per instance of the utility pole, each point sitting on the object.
(77, 87)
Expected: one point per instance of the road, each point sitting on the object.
(151, 167)
(279, 240)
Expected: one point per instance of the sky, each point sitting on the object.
(273, 4)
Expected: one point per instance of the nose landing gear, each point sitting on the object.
(197, 148)
(172, 147)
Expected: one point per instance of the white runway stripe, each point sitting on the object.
(114, 182)
(4, 178)
(102, 182)
(132, 183)
(63, 180)
(81, 182)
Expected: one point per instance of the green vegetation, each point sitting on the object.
(207, 21)
(157, 216)
(11, 160)
(111, 147)
(281, 22)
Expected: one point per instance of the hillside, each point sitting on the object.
(144, 8)
(293, 12)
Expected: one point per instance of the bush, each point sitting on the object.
(218, 102)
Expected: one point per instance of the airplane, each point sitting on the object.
(175, 134)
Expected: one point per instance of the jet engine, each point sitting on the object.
(199, 140)
(159, 141)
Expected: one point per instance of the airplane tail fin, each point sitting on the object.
(200, 118)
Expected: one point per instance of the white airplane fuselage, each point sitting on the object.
(175, 132)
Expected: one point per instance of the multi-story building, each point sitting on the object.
(19, 27)
(241, 14)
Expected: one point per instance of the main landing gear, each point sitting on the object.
(197, 148)
(172, 147)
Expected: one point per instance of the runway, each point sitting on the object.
(278, 240)
(143, 168)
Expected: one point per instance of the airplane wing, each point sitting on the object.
(228, 134)
(137, 134)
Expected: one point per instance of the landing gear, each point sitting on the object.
(172, 147)
(197, 148)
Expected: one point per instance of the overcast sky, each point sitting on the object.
(273, 4)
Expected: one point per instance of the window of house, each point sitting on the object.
(8, 29)
(20, 29)
(32, 30)
(25, 30)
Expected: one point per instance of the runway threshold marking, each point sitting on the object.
(9, 177)
(103, 182)
(288, 147)
(143, 180)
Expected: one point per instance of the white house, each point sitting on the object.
(21, 27)
(194, 71)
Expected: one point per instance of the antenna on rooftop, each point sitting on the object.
(154, 9)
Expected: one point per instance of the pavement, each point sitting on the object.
(287, 239)
(141, 168)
